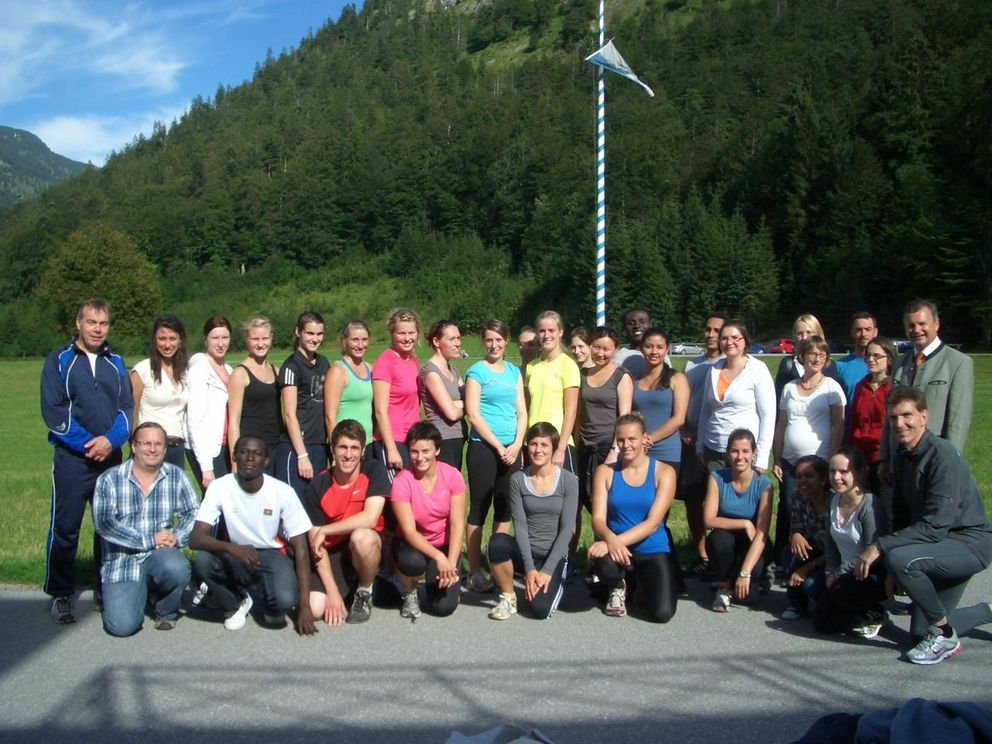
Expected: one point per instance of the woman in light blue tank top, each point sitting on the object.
(348, 385)
(662, 396)
(738, 513)
(630, 501)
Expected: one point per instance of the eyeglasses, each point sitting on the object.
(732, 339)
(149, 443)
(815, 355)
(874, 357)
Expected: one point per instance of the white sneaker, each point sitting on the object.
(411, 605)
(616, 606)
(721, 601)
(237, 620)
(200, 593)
(507, 606)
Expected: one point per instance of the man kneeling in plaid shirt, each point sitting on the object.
(143, 511)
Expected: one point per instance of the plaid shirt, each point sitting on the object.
(127, 520)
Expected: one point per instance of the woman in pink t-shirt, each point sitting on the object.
(428, 501)
(396, 391)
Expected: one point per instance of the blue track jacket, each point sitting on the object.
(78, 405)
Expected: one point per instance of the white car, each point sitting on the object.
(685, 348)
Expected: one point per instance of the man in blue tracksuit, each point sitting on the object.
(86, 402)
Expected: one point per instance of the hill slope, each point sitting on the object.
(28, 167)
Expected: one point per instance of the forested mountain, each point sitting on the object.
(802, 156)
(28, 167)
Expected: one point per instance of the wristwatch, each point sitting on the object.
(745, 574)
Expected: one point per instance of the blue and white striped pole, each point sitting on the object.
(601, 177)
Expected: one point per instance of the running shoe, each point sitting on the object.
(699, 569)
(239, 617)
(480, 583)
(162, 623)
(361, 607)
(200, 593)
(616, 605)
(934, 648)
(793, 613)
(870, 624)
(274, 619)
(507, 606)
(721, 601)
(62, 610)
(411, 605)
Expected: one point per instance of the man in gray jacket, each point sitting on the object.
(942, 536)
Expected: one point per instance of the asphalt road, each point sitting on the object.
(578, 677)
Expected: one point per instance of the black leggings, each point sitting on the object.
(848, 600)
(451, 452)
(503, 548)
(412, 563)
(487, 484)
(654, 576)
(726, 550)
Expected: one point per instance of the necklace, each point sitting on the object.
(810, 385)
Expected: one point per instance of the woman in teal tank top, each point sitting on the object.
(630, 501)
(348, 385)
(738, 513)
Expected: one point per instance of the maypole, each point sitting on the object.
(605, 58)
(601, 176)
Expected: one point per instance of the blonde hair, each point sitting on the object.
(554, 316)
(403, 315)
(348, 328)
(257, 321)
(810, 320)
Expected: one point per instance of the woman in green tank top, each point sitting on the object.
(348, 385)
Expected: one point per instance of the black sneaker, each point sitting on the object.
(698, 570)
(361, 607)
(62, 610)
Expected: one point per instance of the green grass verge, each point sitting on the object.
(25, 466)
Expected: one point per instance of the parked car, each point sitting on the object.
(756, 349)
(836, 347)
(903, 345)
(782, 346)
(686, 348)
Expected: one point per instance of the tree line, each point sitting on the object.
(798, 157)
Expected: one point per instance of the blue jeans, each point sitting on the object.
(812, 587)
(165, 573)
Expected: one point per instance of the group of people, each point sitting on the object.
(324, 483)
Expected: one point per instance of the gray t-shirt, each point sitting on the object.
(448, 429)
(543, 522)
(697, 371)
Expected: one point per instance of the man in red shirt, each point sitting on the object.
(345, 504)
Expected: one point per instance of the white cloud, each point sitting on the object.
(91, 138)
(45, 43)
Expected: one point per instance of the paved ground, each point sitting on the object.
(579, 677)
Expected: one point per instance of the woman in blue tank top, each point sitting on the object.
(662, 397)
(630, 501)
(738, 512)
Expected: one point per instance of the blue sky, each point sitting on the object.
(87, 76)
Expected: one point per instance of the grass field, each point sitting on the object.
(25, 466)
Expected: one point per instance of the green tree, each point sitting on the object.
(98, 261)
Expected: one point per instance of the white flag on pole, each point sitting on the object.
(610, 59)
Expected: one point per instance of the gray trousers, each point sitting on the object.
(935, 575)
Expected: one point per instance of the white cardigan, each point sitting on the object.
(206, 412)
(749, 403)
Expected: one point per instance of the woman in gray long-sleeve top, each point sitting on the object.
(543, 501)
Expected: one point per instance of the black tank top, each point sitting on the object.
(260, 414)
